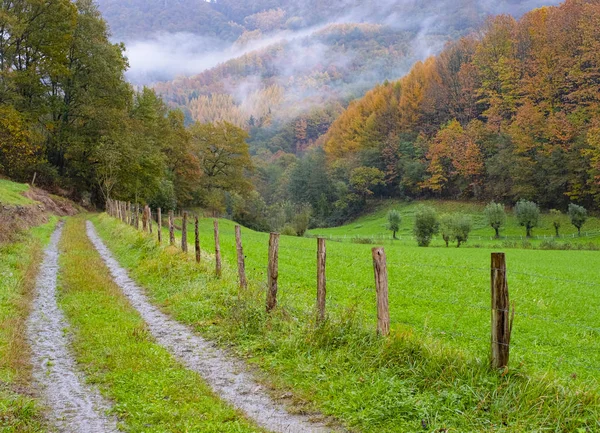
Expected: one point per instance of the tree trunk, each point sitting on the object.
(497, 232)
(395, 236)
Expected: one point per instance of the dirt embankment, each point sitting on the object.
(14, 218)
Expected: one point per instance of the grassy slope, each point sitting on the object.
(150, 390)
(11, 193)
(374, 224)
(433, 369)
(18, 269)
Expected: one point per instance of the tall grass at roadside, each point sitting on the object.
(19, 412)
(413, 381)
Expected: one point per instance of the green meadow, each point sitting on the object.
(373, 226)
(434, 366)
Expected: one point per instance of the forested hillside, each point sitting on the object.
(69, 118)
(271, 86)
(510, 112)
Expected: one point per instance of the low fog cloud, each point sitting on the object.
(168, 55)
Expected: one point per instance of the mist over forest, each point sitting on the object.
(263, 65)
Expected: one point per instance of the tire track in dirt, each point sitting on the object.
(74, 407)
(228, 377)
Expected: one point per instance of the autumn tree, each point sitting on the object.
(224, 160)
(19, 151)
(364, 179)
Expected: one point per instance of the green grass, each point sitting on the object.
(434, 367)
(18, 264)
(150, 390)
(11, 193)
(373, 225)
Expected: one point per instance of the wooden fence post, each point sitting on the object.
(124, 212)
(150, 220)
(218, 269)
(184, 245)
(381, 285)
(321, 278)
(501, 315)
(240, 258)
(273, 271)
(159, 223)
(145, 219)
(171, 229)
(197, 239)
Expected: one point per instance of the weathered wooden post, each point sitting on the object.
(240, 259)
(321, 279)
(145, 219)
(184, 245)
(159, 223)
(501, 315)
(171, 229)
(381, 285)
(197, 239)
(150, 220)
(218, 265)
(272, 271)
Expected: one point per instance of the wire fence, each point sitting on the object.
(565, 338)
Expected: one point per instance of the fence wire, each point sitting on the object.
(521, 350)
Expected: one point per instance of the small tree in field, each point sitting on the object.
(394, 220)
(301, 219)
(528, 215)
(447, 228)
(578, 215)
(556, 221)
(455, 227)
(462, 228)
(426, 225)
(496, 217)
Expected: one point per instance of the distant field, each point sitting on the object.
(444, 292)
(11, 193)
(374, 225)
